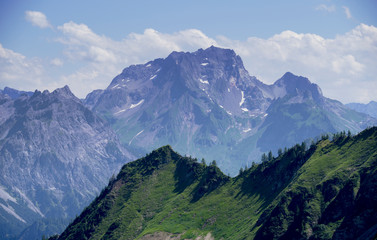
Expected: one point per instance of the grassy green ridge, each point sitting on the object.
(304, 193)
(336, 187)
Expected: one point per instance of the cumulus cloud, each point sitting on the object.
(16, 70)
(347, 12)
(57, 62)
(37, 19)
(326, 8)
(82, 43)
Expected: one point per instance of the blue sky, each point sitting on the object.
(84, 44)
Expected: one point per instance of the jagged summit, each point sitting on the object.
(14, 93)
(298, 85)
(64, 91)
(210, 51)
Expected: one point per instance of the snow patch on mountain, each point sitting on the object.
(123, 110)
(137, 104)
(242, 98)
(6, 196)
(129, 143)
(203, 81)
(246, 130)
(11, 211)
(131, 107)
(29, 203)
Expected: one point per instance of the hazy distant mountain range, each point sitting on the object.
(57, 152)
(370, 108)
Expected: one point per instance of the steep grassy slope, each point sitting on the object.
(325, 191)
(334, 195)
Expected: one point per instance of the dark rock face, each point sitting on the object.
(206, 104)
(55, 156)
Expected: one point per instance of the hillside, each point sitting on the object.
(325, 191)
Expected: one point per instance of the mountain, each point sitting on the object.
(370, 108)
(325, 191)
(14, 93)
(55, 157)
(205, 104)
(303, 112)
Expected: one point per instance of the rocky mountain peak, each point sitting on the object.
(13, 93)
(299, 86)
(58, 95)
(214, 73)
(212, 55)
(64, 92)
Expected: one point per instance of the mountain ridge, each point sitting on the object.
(14, 93)
(55, 155)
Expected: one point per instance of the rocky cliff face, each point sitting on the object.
(55, 156)
(206, 104)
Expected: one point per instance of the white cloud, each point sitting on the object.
(326, 8)
(57, 62)
(347, 12)
(347, 64)
(18, 71)
(37, 19)
(82, 43)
